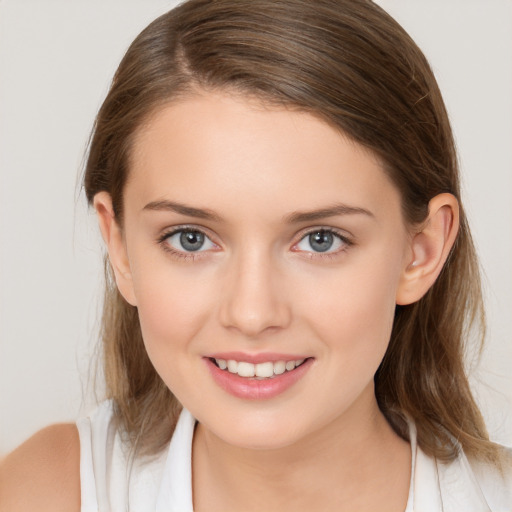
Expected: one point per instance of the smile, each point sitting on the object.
(265, 370)
(259, 379)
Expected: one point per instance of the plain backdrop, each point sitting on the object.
(56, 60)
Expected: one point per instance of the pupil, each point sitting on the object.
(191, 240)
(321, 241)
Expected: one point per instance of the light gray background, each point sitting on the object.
(56, 60)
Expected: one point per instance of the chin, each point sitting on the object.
(261, 441)
(258, 432)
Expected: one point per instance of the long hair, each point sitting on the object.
(351, 64)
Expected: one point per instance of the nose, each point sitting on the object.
(254, 300)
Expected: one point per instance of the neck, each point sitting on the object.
(352, 462)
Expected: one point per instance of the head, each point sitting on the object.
(334, 63)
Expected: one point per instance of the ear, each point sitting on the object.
(430, 248)
(113, 237)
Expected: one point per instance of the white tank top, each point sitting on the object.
(110, 483)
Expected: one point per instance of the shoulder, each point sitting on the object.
(464, 483)
(43, 473)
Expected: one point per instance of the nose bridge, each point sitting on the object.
(253, 299)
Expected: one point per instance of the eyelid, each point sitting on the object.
(172, 230)
(181, 254)
(342, 233)
(347, 240)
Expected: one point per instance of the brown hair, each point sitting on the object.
(350, 63)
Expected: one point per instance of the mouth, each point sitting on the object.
(258, 371)
(257, 379)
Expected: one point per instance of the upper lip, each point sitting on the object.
(256, 358)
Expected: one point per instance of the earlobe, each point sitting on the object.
(113, 237)
(429, 249)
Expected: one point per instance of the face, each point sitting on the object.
(261, 239)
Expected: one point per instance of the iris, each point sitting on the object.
(191, 240)
(321, 241)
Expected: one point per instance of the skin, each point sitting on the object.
(257, 285)
(43, 473)
(253, 292)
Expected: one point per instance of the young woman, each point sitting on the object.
(291, 278)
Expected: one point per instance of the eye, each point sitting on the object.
(188, 240)
(322, 241)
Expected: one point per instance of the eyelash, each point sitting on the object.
(192, 256)
(345, 240)
(182, 255)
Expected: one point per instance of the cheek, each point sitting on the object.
(173, 305)
(356, 310)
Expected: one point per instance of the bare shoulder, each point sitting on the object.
(43, 473)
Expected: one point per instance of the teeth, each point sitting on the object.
(279, 367)
(265, 369)
(290, 365)
(232, 366)
(245, 369)
(221, 364)
(260, 370)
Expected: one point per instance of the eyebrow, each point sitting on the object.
(293, 218)
(322, 213)
(190, 211)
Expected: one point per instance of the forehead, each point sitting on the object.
(221, 149)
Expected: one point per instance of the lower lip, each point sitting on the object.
(254, 389)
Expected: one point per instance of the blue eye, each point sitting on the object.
(322, 240)
(189, 240)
